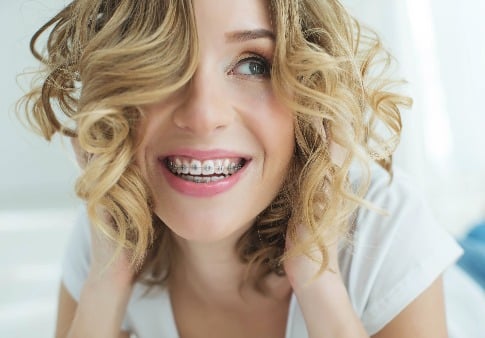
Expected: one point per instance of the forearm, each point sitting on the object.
(101, 309)
(327, 309)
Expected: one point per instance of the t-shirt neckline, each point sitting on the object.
(169, 320)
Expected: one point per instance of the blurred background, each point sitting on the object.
(440, 48)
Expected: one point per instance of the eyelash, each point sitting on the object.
(256, 58)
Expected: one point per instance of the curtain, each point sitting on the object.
(439, 46)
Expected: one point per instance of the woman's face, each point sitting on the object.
(216, 153)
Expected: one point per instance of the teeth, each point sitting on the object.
(178, 165)
(185, 168)
(208, 168)
(225, 167)
(218, 167)
(232, 168)
(195, 167)
(194, 170)
(202, 179)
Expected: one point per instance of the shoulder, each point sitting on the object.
(393, 255)
(76, 261)
(396, 204)
(399, 221)
(385, 191)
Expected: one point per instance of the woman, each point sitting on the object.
(226, 149)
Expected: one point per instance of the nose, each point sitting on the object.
(205, 108)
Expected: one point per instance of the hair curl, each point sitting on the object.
(105, 58)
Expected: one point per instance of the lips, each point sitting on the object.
(204, 175)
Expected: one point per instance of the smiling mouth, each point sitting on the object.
(207, 171)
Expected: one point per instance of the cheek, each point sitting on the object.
(271, 123)
(265, 113)
(151, 125)
(277, 128)
(141, 141)
(282, 129)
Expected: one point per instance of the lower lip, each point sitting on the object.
(201, 189)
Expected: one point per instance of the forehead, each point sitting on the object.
(216, 16)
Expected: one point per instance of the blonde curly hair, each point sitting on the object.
(106, 58)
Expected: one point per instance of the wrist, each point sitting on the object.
(308, 282)
(326, 287)
(101, 308)
(117, 272)
(108, 281)
(327, 309)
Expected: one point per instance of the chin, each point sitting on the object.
(204, 228)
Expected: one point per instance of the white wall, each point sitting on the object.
(33, 173)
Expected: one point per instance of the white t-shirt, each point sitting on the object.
(391, 261)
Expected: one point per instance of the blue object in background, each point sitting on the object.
(473, 260)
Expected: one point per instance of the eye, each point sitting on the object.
(252, 66)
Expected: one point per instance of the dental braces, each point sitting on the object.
(231, 168)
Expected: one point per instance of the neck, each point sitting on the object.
(213, 273)
(210, 270)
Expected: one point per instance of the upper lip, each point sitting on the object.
(205, 154)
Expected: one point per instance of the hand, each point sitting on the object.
(302, 270)
(105, 293)
(109, 262)
(106, 257)
(322, 295)
(107, 288)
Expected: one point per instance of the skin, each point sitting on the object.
(225, 107)
(232, 113)
(228, 105)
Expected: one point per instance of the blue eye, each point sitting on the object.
(252, 66)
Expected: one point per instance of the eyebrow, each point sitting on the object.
(245, 35)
